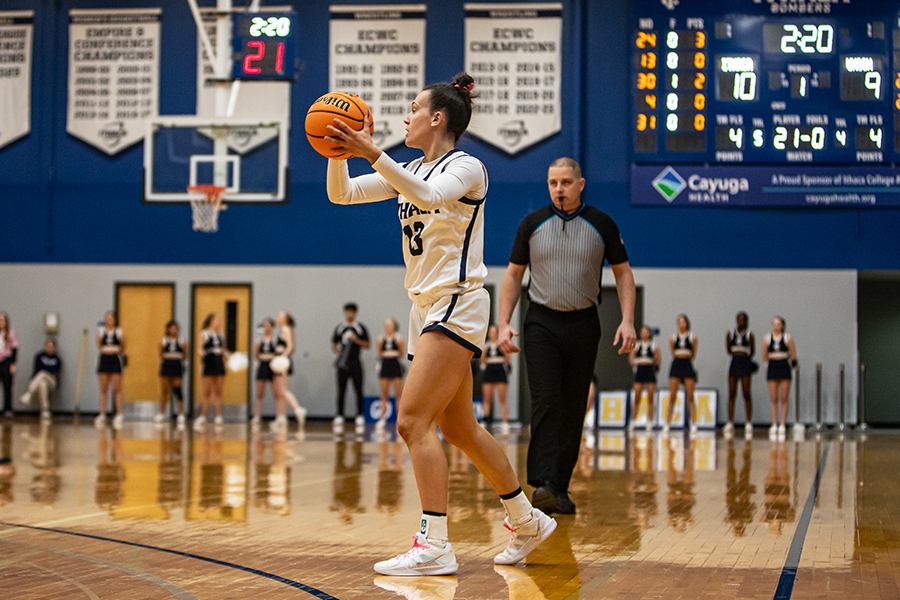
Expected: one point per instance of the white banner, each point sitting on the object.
(263, 99)
(113, 75)
(378, 52)
(513, 52)
(16, 41)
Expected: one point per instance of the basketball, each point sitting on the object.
(280, 364)
(348, 108)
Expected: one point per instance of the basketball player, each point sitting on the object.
(644, 358)
(263, 353)
(494, 366)
(781, 354)
(212, 351)
(111, 342)
(683, 346)
(440, 199)
(741, 346)
(171, 371)
(390, 348)
(284, 346)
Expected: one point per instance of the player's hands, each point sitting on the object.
(626, 334)
(358, 143)
(507, 333)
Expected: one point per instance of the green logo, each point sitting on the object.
(669, 183)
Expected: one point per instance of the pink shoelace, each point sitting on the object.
(416, 546)
(512, 532)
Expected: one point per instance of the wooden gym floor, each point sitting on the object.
(144, 513)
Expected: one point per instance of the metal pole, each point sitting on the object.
(818, 395)
(862, 398)
(798, 429)
(843, 422)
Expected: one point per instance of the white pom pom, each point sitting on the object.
(280, 364)
(238, 362)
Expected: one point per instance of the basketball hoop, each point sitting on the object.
(205, 208)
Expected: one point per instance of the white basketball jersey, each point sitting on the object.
(444, 248)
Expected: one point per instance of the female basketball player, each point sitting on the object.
(263, 353)
(781, 354)
(213, 353)
(390, 348)
(494, 365)
(644, 358)
(440, 197)
(9, 348)
(684, 349)
(111, 342)
(171, 371)
(284, 346)
(741, 346)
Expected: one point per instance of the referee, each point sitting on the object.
(565, 245)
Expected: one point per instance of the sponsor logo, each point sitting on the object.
(112, 133)
(670, 4)
(669, 183)
(241, 137)
(381, 133)
(512, 132)
(730, 185)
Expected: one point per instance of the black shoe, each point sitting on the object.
(544, 500)
(564, 505)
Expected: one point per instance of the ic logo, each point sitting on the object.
(381, 133)
(112, 133)
(243, 136)
(670, 4)
(512, 132)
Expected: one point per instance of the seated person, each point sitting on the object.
(45, 377)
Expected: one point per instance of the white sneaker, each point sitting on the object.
(256, 420)
(360, 422)
(773, 432)
(648, 427)
(728, 430)
(525, 537)
(219, 420)
(300, 415)
(338, 425)
(118, 421)
(100, 421)
(665, 428)
(693, 428)
(25, 399)
(280, 422)
(199, 422)
(45, 415)
(504, 428)
(782, 432)
(159, 418)
(420, 588)
(381, 424)
(748, 431)
(424, 558)
(630, 426)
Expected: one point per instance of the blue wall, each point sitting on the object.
(63, 201)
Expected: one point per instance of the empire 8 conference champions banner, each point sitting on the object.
(16, 35)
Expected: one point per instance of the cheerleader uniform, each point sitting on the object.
(172, 357)
(390, 359)
(495, 369)
(267, 352)
(213, 363)
(779, 358)
(645, 361)
(110, 346)
(280, 348)
(741, 366)
(681, 365)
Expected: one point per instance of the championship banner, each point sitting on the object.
(264, 99)
(113, 76)
(16, 41)
(513, 52)
(378, 53)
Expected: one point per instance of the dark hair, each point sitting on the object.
(746, 316)
(783, 323)
(289, 319)
(5, 325)
(52, 340)
(171, 323)
(686, 320)
(454, 99)
(109, 312)
(351, 306)
(396, 325)
(648, 328)
(270, 321)
(208, 320)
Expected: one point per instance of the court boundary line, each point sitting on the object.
(792, 561)
(277, 578)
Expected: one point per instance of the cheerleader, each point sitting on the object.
(171, 372)
(781, 354)
(741, 346)
(644, 359)
(213, 353)
(9, 348)
(284, 346)
(111, 343)
(263, 353)
(390, 348)
(494, 366)
(683, 346)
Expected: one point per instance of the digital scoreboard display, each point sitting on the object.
(766, 82)
(263, 46)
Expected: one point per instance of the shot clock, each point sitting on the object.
(263, 45)
(750, 82)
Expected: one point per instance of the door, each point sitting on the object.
(232, 302)
(143, 309)
(879, 330)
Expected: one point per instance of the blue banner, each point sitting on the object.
(784, 186)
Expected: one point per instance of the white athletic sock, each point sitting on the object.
(434, 528)
(518, 508)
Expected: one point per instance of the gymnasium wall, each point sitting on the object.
(70, 204)
(819, 306)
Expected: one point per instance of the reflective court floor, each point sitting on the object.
(159, 513)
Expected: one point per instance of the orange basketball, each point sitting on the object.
(349, 108)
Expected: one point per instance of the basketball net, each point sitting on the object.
(205, 209)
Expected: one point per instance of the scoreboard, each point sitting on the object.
(766, 82)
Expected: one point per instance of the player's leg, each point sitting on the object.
(487, 402)
(748, 399)
(651, 404)
(103, 379)
(784, 393)
(674, 383)
(357, 375)
(732, 396)
(179, 397)
(502, 389)
(384, 389)
(689, 384)
(165, 395)
(637, 391)
(260, 397)
(218, 389)
(773, 401)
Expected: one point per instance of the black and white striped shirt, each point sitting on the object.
(566, 254)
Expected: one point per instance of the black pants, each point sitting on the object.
(354, 372)
(560, 353)
(6, 379)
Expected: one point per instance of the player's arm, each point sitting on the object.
(401, 345)
(288, 336)
(510, 290)
(752, 345)
(632, 355)
(728, 343)
(792, 348)
(695, 344)
(371, 187)
(379, 348)
(458, 179)
(627, 293)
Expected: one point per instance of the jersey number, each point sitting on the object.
(414, 234)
